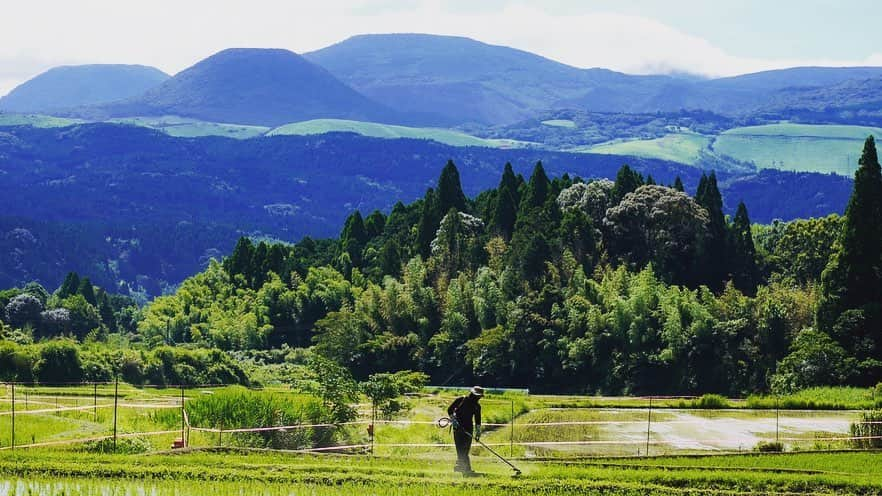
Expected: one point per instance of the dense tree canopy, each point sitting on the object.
(559, 284)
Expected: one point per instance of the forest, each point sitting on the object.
(557, 284)
(139, 211)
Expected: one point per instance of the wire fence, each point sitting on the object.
(47, 416)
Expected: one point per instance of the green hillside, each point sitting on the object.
(372, 129)
(35, 120)
(685, 148)
(192, 128)
(785, 146)
(797, 147)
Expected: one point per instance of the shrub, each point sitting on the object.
(59, 362)
(385, 390)
(173, 366)
(17, 362)
(126, 445)
(814, 360)
(769, 447)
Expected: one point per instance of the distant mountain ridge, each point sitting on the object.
(457, 78)
(469, 81)
(267, 87)
(445, 81)
(66, 87)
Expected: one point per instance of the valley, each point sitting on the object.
(440, 248)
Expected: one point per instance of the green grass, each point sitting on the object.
(192, 128)
(796, 147)
(221, 474)
(684, 148)
(819, 398)
(560, 123)
(36, 120)
(408, 471)
(321, 126)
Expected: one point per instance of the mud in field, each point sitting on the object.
(624, 431)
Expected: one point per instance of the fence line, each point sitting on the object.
(410, 445)
(186, 427)
(86, 440)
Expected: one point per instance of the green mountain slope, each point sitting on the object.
(685, 148)
(785, 146)
(796, 147)
(446, 136)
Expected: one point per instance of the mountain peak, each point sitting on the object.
(262, 86)
(71, 86)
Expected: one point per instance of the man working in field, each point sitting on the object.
(462, 411)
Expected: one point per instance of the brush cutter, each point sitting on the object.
(447, 421)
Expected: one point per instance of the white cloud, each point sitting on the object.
(173, 34)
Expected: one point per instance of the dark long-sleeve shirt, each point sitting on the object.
(465, 408)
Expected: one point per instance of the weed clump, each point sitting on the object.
(769, 447)
(126, 446)
(707, 402)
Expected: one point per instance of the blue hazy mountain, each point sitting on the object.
(73, 86)
(854, 101)
(266, 87)
(462, 80)
(421, 79)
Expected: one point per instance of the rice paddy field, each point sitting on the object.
(238, 473)
(562, 444)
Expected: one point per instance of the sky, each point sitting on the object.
(705, 37)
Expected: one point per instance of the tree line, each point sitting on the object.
(560, 284)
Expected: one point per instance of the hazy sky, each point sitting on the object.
(710, 37)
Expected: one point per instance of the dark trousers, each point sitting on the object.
(463, 439)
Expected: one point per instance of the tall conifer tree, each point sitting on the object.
(678, 184)
(744, 270)
(537, 189)
(627, 181)
(505, 209)
(70, 286)
(450, 193)
(88, 291)
(239, 262)
(714, 269)
(354, 237)
(851, 285)
(429, 220)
